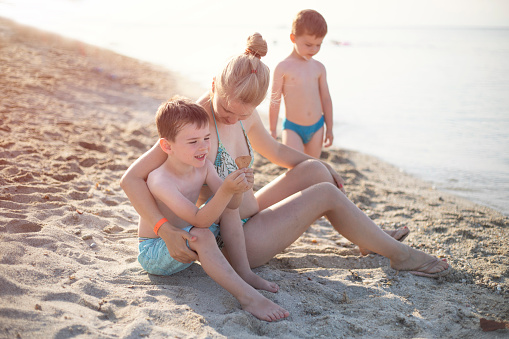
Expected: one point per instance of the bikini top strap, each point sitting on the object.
(219, 139)
(215, 123)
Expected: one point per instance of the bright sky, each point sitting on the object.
(265, 12)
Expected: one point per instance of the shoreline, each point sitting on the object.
(480, 192)
(75, 116)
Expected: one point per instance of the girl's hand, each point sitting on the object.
(336, 177)
(175, 240)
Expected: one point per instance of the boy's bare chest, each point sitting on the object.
(297, 72)
(302, 77)
(190, 185)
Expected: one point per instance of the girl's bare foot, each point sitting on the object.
(263, 308)
(420, 263)
(399, 234)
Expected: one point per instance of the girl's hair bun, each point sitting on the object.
(245, 77)
(256, 45)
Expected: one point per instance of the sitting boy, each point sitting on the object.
(183, 129)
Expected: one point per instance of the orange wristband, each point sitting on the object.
(159, 224)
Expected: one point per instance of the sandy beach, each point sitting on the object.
(73, 117)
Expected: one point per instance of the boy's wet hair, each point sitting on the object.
(176, 113)
(245, 77)
(309, 22)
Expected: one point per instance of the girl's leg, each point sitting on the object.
(302, 176)
(235, 245)
(274, 229)
(216, 266)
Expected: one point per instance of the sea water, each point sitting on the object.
(433, 101)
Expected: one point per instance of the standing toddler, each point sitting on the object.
(302, 81)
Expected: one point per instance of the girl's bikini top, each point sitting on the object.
(224, 163)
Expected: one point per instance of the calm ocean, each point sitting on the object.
(432, 101)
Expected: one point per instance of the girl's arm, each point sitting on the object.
(278, 153)
(134, 184)
(270, 148)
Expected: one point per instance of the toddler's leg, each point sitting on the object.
(235, 244)
(218, 268)
(292, 139)
(314, 146)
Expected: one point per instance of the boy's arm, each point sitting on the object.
(275, 100)
(215, 182)
(170, 195)
(326, 107)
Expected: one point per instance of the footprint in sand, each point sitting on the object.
(92, 147)
(65, 296)
(22, 226)
(64, 177)
(25, 177)
(72, 331)
(10, 287)
(78, 195)
(88, 162)
(109, 202)
(137, 144)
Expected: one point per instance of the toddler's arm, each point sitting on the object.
(275, 100)
(326, 107)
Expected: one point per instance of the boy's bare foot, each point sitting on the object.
(258, 282)
(264, 309)
(421, 264)
(399, 234)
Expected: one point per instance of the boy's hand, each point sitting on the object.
(175, 240)
(249, 177)
(242, 163)
(329, 138)
(237, 182)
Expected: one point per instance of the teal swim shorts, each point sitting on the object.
(155, 258)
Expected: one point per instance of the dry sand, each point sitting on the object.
(72, 119)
